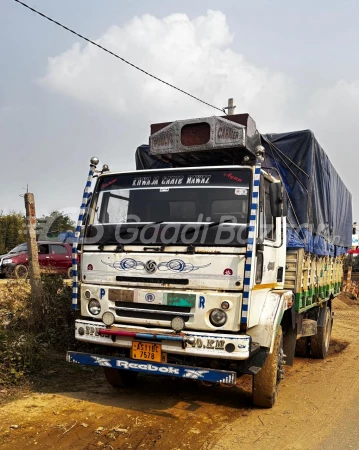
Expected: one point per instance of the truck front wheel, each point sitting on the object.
(319, 344)
(120, 378)
(266, 382)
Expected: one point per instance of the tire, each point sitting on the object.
(301, 347)
(319, 344)
(120, 378)
(21, 272)
(266, 382)
(69, 272)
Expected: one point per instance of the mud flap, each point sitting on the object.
(289, 343)
(321, 317)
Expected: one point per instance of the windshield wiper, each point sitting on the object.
(120, 245)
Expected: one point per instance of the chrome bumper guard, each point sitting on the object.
(194, 343)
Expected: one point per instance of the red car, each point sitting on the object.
(54, 257)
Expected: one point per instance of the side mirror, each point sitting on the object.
(278, 200)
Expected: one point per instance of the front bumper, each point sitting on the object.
(154, 368)
(188, 343)
(6, 269)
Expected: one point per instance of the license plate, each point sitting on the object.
(146, 351)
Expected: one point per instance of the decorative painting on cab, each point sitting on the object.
(209, 178)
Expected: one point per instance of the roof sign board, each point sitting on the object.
(184, 136)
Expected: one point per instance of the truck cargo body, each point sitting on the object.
(185, 266)
(320, 206)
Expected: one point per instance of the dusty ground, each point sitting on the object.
(76, 409)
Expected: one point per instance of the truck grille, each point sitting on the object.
(152, 280)
(154, 312)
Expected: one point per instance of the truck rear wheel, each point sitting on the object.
(120, 378)
(319, 344)
(266, 382)
(301, 347)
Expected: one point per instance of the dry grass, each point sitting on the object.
(32, 327)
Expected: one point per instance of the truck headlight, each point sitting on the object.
(94, 307)
(7, 261)
(218, 317)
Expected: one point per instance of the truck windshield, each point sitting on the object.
(171, 201)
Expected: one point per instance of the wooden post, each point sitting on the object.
(349, 278)
(34, 268)
(230, 107)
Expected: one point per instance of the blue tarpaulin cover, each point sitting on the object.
(320, 206)
(145, 161)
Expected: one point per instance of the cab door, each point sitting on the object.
(44, 257)
(271, 245)
(60, 258)
(271, 234)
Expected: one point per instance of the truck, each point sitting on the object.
(219, 256)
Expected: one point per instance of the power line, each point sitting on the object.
(117, 56)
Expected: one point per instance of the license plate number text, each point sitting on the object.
(146, 351)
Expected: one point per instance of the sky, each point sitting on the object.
(291, 65)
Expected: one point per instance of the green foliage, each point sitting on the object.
(12, 227)
(49, 226)
(11, 231)
(355, 266)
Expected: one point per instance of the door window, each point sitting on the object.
(43, 249)
(59, 250)
(269, 220)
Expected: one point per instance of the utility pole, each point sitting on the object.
(34, 268)
(230, 107)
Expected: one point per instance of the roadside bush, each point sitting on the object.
(53, 319)
(32, 329)
(20, 355)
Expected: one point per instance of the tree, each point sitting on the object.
(56, 222)
(11, 231)
(355, 264)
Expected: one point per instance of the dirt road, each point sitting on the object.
(76, 409)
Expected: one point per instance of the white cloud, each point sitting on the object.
(338, 104)
(194, 55)
(333, 114)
